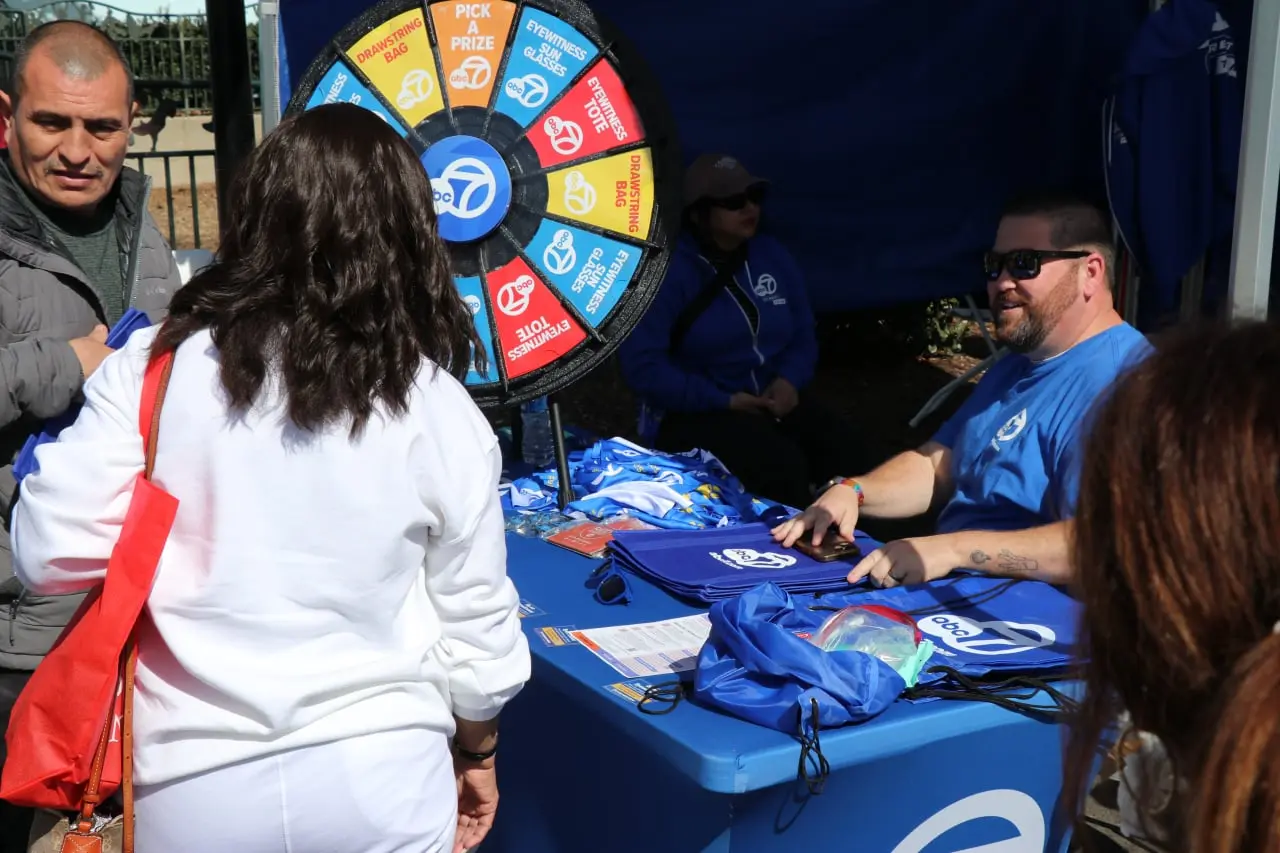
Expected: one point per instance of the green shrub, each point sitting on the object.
(944, 332)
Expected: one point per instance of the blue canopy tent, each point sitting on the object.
(931, 113)
(892, 131)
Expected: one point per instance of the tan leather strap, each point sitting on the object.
(153, 434)
(128, 661)
(126, 744)
(91, 796)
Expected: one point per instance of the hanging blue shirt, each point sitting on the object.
(1015, 443)
(1172, 146)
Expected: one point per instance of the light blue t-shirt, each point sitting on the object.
(1015, 443)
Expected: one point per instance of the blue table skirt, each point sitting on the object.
(584, 769)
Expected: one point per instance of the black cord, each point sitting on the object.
(811, 753)
(941, 607)
(1013, 693)
(971, 600)
(662, 698)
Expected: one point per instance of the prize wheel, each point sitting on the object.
(553, 163)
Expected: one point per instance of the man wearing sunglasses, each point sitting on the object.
(722, 358)
(1004, 468)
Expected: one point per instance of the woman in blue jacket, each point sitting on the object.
(722, 359)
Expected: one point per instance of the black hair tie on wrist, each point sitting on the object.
(474, 756)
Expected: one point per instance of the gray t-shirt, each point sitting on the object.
(93, 245)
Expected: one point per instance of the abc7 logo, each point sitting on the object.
(513, 297)
(475, 178)
(579, 195)
(565, 136)
(766, 285)
(474, 72)
(415, 87)
(749, 558)
(560, 256)
(989, 639)
(529, 91)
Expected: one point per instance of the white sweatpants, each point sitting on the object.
(386, 793)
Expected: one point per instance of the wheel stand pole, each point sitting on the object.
(564, 485)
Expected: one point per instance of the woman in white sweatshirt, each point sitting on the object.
(332, 607)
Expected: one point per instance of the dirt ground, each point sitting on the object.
(182, 232)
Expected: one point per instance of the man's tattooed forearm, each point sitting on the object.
(1013, 564)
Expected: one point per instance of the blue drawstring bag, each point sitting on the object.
(989, 636)
(757, 664)
(982, 625)
(26, 463)
(988, 639)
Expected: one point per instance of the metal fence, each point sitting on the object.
(175, 173)
(169, 54)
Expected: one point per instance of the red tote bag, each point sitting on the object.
(77, 695)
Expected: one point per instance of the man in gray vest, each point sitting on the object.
(77, 249)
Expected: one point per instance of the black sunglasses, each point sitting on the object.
(609, 585)
(753, 195)
(1023, 264)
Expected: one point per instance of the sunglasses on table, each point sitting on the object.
(1023, 264)
(609, 585)
(754, 195)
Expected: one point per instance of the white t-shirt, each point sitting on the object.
(313, 587)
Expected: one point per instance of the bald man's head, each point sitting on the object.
(79, 50)
(69, 115)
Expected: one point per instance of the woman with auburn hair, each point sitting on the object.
(1177, 555)
(331, 630)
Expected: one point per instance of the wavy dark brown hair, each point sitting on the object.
(1177, 555)
(330, 275)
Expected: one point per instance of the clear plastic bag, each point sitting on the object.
(539, 524)
(881, 632)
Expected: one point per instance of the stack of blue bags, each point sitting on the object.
(710, 565)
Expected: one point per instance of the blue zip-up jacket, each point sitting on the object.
(1172, 137)
(757, 329)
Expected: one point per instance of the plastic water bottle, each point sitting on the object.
(538, 445)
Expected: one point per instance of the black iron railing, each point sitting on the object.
(169, 53)
(145, 162)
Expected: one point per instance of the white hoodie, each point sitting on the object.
(314, 588)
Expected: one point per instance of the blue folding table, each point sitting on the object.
(582, 770)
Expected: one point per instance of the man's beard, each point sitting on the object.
(1039, 317)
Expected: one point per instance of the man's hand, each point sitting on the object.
(750, 403)
(908, 561)
(782, 397)
(91, 350)
(838, 505)
(477, 801)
